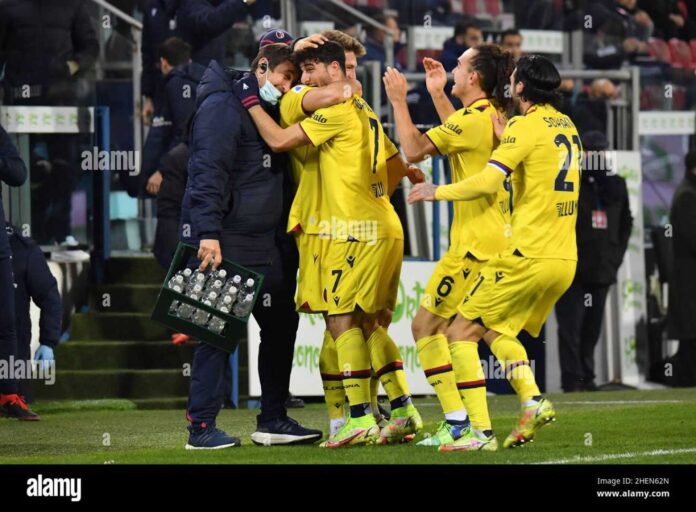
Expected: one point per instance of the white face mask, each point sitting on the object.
(270, 93)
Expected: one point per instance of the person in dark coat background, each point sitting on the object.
(159, 24)
(203, 24)
(466, 35)
(681, 314)
(14, 173)
(173, 167)
(46, 50)
(234, 207)
(603, 229)
(170, 122)
(34, 282)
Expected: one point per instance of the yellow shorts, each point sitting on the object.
(449, 284)
(360, 275)
(512, 292)
(309, 295)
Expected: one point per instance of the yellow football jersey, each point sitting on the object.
(353, 154)
(305, 211)
(546, 146)
(467, 138)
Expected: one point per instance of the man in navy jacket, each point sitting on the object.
(33, 281)
(235, 202)
(14, 173)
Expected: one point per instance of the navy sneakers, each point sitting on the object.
(208, 437)
(284, 431)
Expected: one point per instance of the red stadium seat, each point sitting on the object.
(659, 50)
(493, 7)
(432, 53)
(692, 43)
(681, 54)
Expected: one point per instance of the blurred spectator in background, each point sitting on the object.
(45, 47)
(173, 168)
(681, 314)
(34, 282)
(589, 110)
(203, 24)
(159, 24)
(14, 173)
(374, 42)
(618, 33)
(466, 35)
(179, 103)
(671, 18)
(603, 229)
(511, 40)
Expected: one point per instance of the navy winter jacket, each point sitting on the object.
(233, 194)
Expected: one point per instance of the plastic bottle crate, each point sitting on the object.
(235, 327)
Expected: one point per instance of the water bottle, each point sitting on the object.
(186, 310)
(216, 323)
(196, 290)
(177, 280)
(177, 288)
(187, 272)
(214, 285)
(248, 287)
(198, 278)
(212, 297)
(226, 302)
(220, 274)
(200, 317)
(173, 307)
(237, 281)
(243, 307)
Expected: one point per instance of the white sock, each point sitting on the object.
(459, 415)
(335, 425)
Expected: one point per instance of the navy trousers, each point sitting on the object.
(8, 334)
(275, 313)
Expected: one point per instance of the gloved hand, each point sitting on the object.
(44, 356)
(247, 90)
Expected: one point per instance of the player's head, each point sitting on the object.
(173, 52)
(322, 65)
(535, 81)
(484, 70)
(511, 40)
(275, 70)
(352, 48)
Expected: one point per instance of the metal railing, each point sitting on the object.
(136, 68)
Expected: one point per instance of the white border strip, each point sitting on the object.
(616, 456)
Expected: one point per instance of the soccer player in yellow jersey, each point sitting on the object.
(363, 261)
(516, 290)
(478, 230)
(301, 101)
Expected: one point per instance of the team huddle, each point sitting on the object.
(512, 248)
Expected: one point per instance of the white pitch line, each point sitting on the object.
(618, 402)
(615, 456)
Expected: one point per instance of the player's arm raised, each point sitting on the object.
(435, 82)
(278, 139)
(416, 146)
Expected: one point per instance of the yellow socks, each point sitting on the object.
(435, 358)
(354, 365)
(331, 378)
(471, 382)
(386, 361)
(513, 357)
